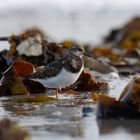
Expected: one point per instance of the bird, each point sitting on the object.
(62, 72)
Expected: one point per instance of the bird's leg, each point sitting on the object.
(56, 92)
(60, 90)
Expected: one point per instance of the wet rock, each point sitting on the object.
(55, 51)
(10, 130)
(108, 108)
(88, 83)
(98, 66)
(109, 126)
(34, 87)
(28, 46)
(32, 45)
(112, 37)
(128, 105)
(12, 80)
(131, 93)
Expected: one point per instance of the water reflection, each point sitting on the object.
(19, 109)
(71, 129)
(68, 121)
(53, 119)
(111, 126)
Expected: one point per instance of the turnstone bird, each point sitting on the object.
(63, 72)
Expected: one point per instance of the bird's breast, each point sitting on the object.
(62, 80)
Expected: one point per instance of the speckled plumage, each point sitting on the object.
(62, 72)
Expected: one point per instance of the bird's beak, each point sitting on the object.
(87, 54)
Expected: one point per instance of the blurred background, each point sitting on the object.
(86, 21)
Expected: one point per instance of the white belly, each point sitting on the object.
(63, 79)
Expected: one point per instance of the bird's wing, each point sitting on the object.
(49, 71)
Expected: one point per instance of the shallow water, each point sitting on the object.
(69, 118)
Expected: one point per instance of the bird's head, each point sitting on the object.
(78, 51)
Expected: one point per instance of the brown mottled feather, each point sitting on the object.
(74, 64)
(49, 71)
